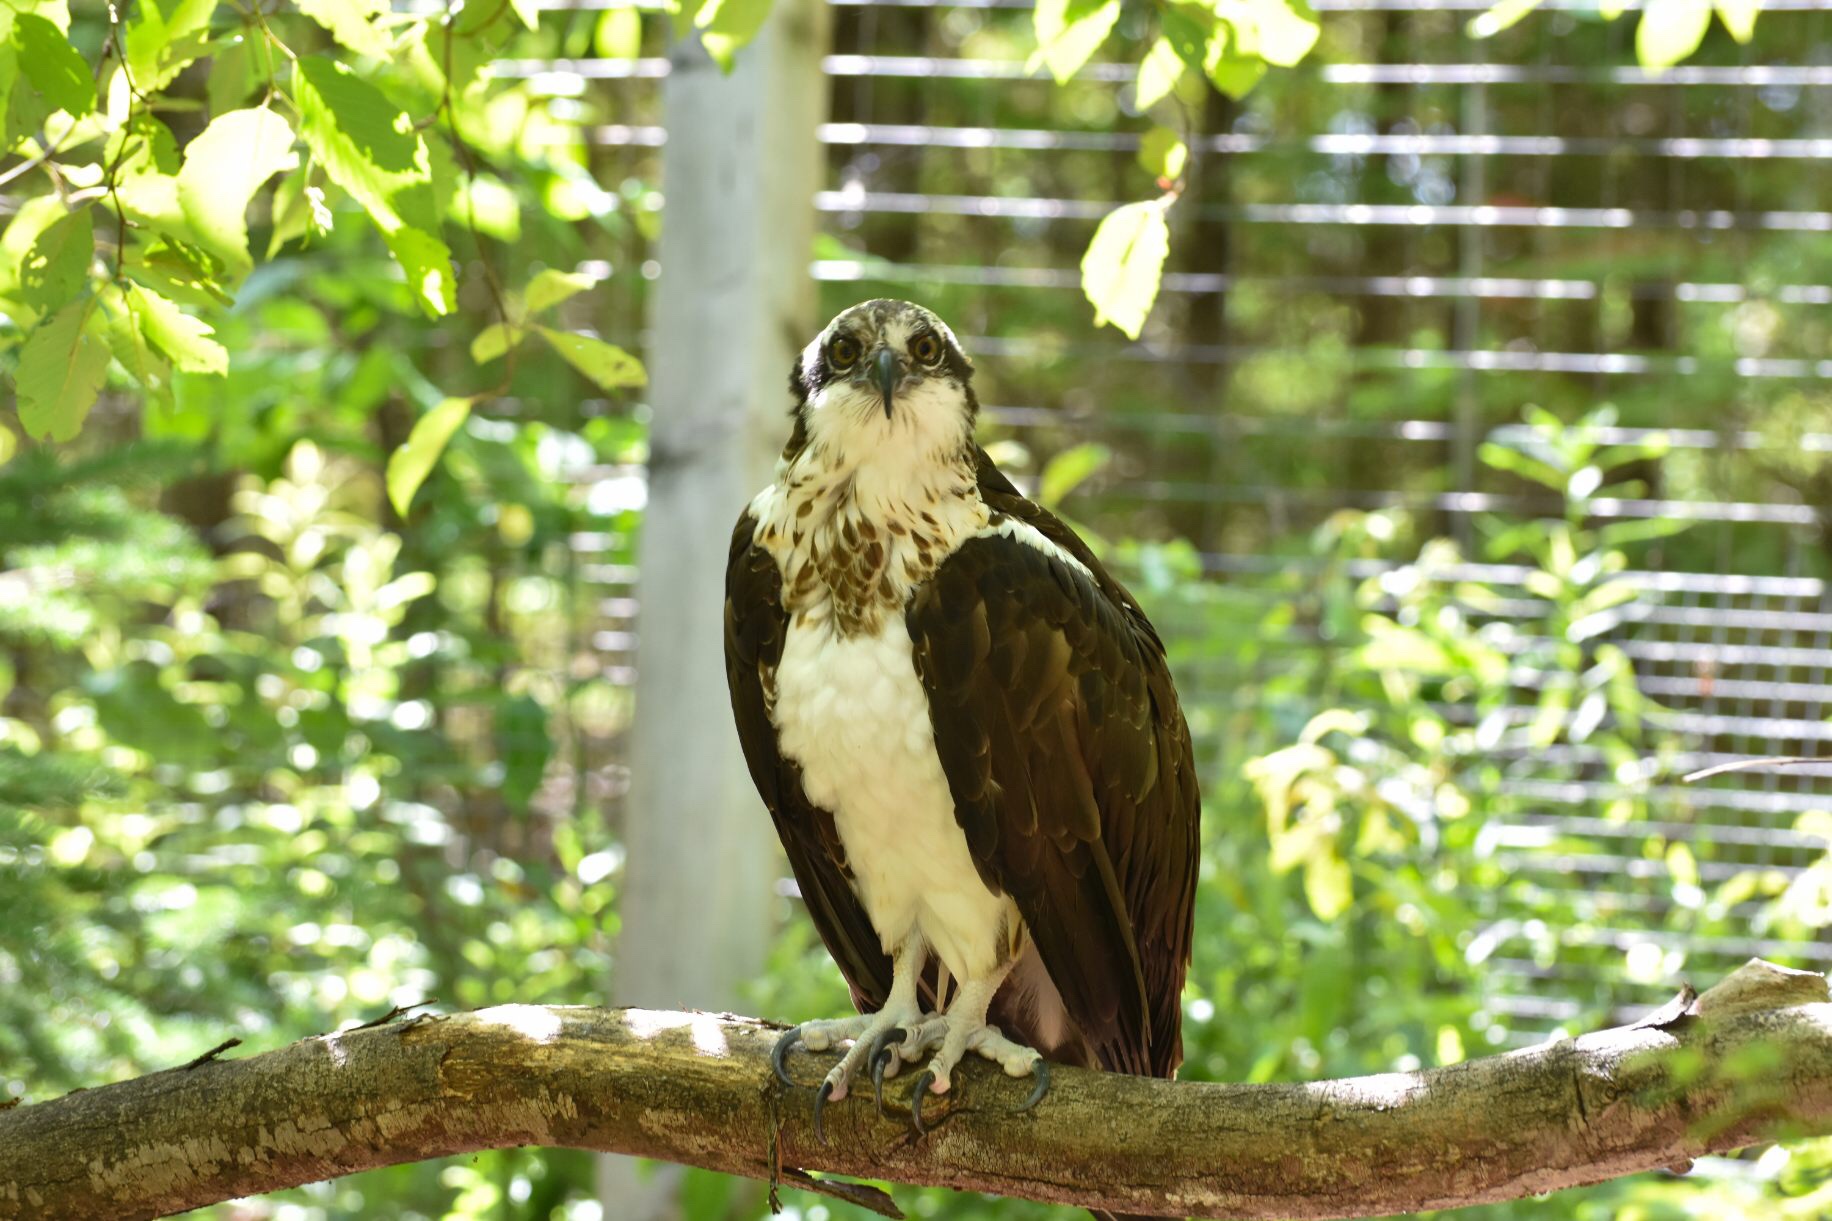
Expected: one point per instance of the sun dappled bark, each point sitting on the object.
(1748, 1061)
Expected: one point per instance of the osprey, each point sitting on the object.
(964, 730)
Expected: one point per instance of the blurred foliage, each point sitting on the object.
(313, 650)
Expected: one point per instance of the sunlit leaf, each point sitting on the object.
(409, 465)
(163, 36)
(1069, 470)
(619, 33)
(1501, 16)
(55, 68)
(1123, 265)
(528, 11)
(1163, 154)
(493, 341)
(1235, 75)
(1329, 887)
(427, 260)
(353, 23)
(185, 340)
(368, 146)
(223, 168)
(1280, 34)
(9, 444)
(486, 203)
(1739, 17)
(727, 25)
(550, 287)
(1669, 31)
(127, 341)
(57, 264)
(1069, 32)
(61, 369)
(608, 365)
(1159, 72)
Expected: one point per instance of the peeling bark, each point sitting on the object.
(1748, 1061)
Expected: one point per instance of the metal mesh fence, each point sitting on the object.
(1380, 257)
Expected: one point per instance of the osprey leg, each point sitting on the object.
(862, 1032)
(962, 1029)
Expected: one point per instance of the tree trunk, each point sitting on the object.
(1749, 1061)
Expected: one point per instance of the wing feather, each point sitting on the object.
(1071, 770)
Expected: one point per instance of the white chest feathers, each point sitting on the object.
(851, 712)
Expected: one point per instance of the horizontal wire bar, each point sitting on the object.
(1369, 357)
(1232, 427)
(1333, 144)
(939, 67)
(1020, 207)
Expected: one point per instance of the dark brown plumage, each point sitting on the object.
(1068, 759)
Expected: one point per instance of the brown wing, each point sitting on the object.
(1072, 773)
(755, 628)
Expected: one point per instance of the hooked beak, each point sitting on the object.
(888, 376)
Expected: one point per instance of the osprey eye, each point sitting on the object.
(843, 352)
(926, 348)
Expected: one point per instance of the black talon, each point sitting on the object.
(881, 1054)
(781, 1053)
(917, 1097)
(820, 1104)
(1041, 1069)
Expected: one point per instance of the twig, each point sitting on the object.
(210, 1055)
(1743, 765)
(396, 1012)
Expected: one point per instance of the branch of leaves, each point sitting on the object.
(1226, 44)
(1669, 30)
(608, 367)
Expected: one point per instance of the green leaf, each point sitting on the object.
(428, 263)
(1159, 73)
(608, 365)
(409, 465)
(525, 742)
(54, 67)
(1669, 31)
(1272, 30)
(485, 202)
(549, 288)
(9, 444)
(1501, 16)
(1235, 75)
(127, 341)
(619, 33)
(1507, 458)
(1163, 154)
(163, 36)
(1329, 886)
(223, 168)
(57, 265)
(727, 25)
(528, 11)
(1739, 17)
(61, 369)
(493, 341)
(368, 146)
(184, 339)
(35, 215)
(1069, 32)
(1068, 471)
(1123, 265)
(353, 23)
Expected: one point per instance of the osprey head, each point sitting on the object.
(883, 374)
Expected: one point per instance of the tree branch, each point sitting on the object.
(1749, 1061)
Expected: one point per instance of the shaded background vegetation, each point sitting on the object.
(1469, 531)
